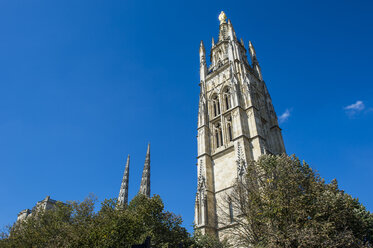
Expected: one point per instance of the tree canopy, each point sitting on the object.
(75, 224)
(282, 202)
(279, 202)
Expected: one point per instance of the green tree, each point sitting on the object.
(207, 241)
(282, 202)
(76, 224)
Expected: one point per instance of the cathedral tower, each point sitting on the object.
(236, 123)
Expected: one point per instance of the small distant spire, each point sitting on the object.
(242, 43)
(145, 180)
(123, 193)
(213, 42)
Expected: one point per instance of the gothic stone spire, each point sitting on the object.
(123, 193)
(230, 85)
(254, 61)
(145, 180)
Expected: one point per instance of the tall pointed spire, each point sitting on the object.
(123, 193)
(202, 59)
(252, 52)
(202, 53)
(255, 61)
(232, 33)
(145, 180)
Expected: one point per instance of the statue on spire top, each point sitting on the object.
(222, 17)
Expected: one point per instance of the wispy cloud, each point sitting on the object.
(355, 108)
(284, 117)
(358, 106)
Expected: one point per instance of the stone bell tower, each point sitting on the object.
(236, 124)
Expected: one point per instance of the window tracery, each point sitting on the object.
(218, 135)
(229, 128)
(227, 98)
(215, 105)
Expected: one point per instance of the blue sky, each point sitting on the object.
(84, 83)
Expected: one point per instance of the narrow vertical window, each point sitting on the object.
(199, 214)
(206, 212)
(221, 136)
(218, 135)
(227, 99)
(230, 132)
(226, 102)
(230, 211)
(217, 138)
(216, 105)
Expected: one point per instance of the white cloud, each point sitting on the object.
(282, 118)
(358, 106)
(355, 108)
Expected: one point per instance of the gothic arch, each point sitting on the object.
(215, 105)
(226, 94)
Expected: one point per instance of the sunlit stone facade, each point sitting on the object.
(236, 124)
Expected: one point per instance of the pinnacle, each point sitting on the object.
(123, 193)
(145, 180)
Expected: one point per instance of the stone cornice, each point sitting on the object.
(216, 192)
(227, 226)
(217, 71)
(274, 126)
(204, 125)
(203, 154)
(218, 44)
(229, 147)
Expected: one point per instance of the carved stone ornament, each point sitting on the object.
(241, 164)
(201, 178)
(222, 17)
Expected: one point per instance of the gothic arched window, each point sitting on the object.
(216, 105)
(227, 98)
(230, 136)
(218, 135)
(221, 136)
(217, 138)
(229, 128)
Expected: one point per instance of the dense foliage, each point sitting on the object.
(77, 225)
(207, 241)
(282, 202)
